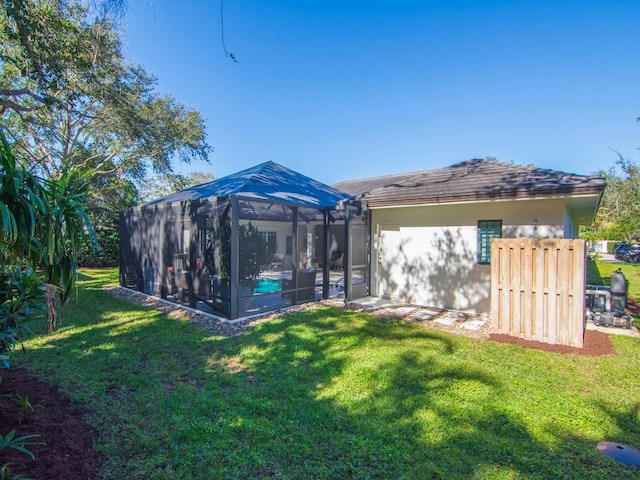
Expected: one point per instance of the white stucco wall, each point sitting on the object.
(570, 228)
(427, 255)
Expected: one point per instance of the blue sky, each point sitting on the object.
(348, 89)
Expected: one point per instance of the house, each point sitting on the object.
(430, 231)
(422, 237)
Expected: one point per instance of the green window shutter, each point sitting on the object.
(487, 229)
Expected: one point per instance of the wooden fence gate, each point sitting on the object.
(538, 289)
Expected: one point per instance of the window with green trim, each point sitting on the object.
(487, 229)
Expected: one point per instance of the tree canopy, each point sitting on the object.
(72, 105)
(162, 185)
(69, 99)
(618, 217)
(83, 127)
(44, 224)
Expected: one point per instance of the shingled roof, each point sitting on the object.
(472, 180)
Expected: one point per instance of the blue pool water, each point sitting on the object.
(268, 285)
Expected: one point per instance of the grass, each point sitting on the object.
(599, 273)
(328, 393)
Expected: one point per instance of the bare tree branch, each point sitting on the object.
(7, 104)
(224, 47)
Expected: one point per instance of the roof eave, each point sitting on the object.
(519, 194)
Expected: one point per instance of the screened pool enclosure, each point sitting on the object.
(254, 241)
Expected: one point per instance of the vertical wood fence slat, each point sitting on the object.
(528, 286)
(537, 289)
(516, 268)
(538, 327)
(564, 296)
(551, 276)
(578, 284)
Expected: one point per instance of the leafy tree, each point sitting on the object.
(70, 100)
(161, 185)
(108, 195)
(44, 223)
(22, 204)
(66, 227)
(618, 217)
(252, 252)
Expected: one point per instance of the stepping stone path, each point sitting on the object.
(468, 324)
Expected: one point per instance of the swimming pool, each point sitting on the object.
(268, 285)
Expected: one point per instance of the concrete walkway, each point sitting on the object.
(608, 257)
(632, 332)
(465, 323)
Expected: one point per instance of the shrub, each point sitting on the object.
(22, 299)
(108, 252)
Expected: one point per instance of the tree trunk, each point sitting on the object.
(51, 291)
(62, 302)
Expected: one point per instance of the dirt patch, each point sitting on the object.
(595, 344)
(68, 453)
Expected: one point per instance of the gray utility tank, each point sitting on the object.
(618, 292)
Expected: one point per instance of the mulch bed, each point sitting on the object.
(595, 344)
(68, 453)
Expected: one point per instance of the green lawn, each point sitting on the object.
(328, 393)
(599, 273)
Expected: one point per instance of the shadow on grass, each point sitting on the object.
(594, 276)
(323, 393)
(626, 421)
